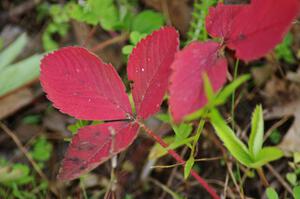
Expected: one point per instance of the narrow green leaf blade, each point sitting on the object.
(158, 151)
(257, 131)
(188, 166)
(195, 115)
(235, 146)
(16, 75)
(219, 98)
(182, 131)
(209, 92)
(225, 93)
(267, 154)
(8, 55)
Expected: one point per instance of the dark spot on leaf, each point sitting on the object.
(85, 146)
(242, 37)
(97, 134)
(236, 2)
(75, 160)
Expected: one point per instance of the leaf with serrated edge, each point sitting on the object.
(93, 145)
(149, 69)
(265, 155)
(257, 131)
(252, 30)
(81, 85)
(231, 141)
(186, 85)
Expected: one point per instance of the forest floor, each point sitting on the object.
(34, 135)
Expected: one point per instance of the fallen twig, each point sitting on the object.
(109, 42)
(27, 155)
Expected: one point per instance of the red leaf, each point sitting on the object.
(149, 69)
(81, 85)
(252, 30)
(186, 88)
(93, 145)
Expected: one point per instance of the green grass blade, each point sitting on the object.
(8, 55)
(19, 74)
(228, 90)
(188, 167)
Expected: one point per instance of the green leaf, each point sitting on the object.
(147, 21)
(21, 73)
(219, 98)
(209, 92)
(182, 131)
(257, 131)
(275, 136)
(17, 174)
(284, 50)
(267, 154)
(82, 14)
(235, 146)
(106, 11)
(163, 117)
(195, 115)
(8, 55)
(158, 151)
(126, 50)
(271, 193)
(296, 192)
(188, 166)
(32, 119)
(227, 91)
(42, 150)
(135, 37)
(296, 157)
(292, 178)
(77, 125)
(181, 142)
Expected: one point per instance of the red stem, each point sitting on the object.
(177, 157)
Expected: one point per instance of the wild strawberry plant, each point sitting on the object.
(251, 30)
(83, 86)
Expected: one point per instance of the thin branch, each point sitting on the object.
(27, 155)
(262, 176)
(109, 42)
(279, 178)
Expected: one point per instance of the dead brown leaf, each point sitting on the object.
(291, 140)
(178, 12)
(13, 102)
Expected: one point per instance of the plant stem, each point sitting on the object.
(177, 157)
(236, 66)
(262, 176)
(83, 189)
(198, 134)
(235, 73)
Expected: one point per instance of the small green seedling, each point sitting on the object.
(214, 100)
(253, 156)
